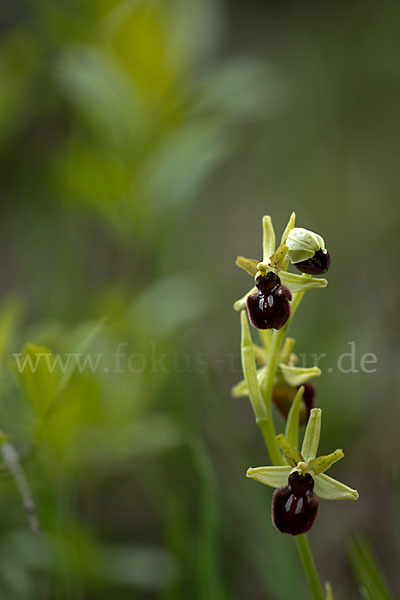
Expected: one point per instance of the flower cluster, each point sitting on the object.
(302, 481)
(268, 303)
(272, 377)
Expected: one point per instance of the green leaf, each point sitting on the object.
(9, 314)
(328, 488)
(273, 476)
(311, 436)
(292, 423)
(295, 376)
(82, 341)
(301, 283)
(293, 456)
(250, 370)
(268, 239)
(37, 368)
(367, 569)
(323, 463)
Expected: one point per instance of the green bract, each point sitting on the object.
(276, 260)
(286, 371)
(305, 461)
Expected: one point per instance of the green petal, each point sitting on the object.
(250, 371)
(247, 264)
(273, 476)
(292, 423)
(300, 283)
(323, 463)
(293, 456)
(288, 228)
(241, 303)
(311, 436)
(268, 239)
(295, 376)
(328, 488)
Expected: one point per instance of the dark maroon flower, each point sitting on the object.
(269, 308)
(316, 265)
(295, 506)
(283, 396)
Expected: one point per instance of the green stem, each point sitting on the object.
(310, 569)
(268, 430)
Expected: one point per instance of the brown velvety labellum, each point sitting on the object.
(295, 506)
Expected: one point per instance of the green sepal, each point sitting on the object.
(268, 238)
(301, 283)
(247, 264)
(292, 456)
(311, 435)
(289, 227)
(295, 376)
(328, 488)
(273, 476)
(323, 463)
(241, 303)
(292, 423)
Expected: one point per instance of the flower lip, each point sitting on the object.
(316, 265)
(295, 506)
(269, 308)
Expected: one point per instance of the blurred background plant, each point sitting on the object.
(140, 141)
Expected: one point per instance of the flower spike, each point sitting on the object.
(302, 482)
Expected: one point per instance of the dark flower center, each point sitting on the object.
(269, 307)
(295, 506)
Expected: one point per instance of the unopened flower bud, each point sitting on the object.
(307, 251)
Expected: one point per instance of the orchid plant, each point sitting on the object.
(271, 378)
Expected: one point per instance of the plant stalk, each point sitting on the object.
(269, 434)
(309, 567)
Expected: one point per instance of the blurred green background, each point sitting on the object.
(141, 142)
